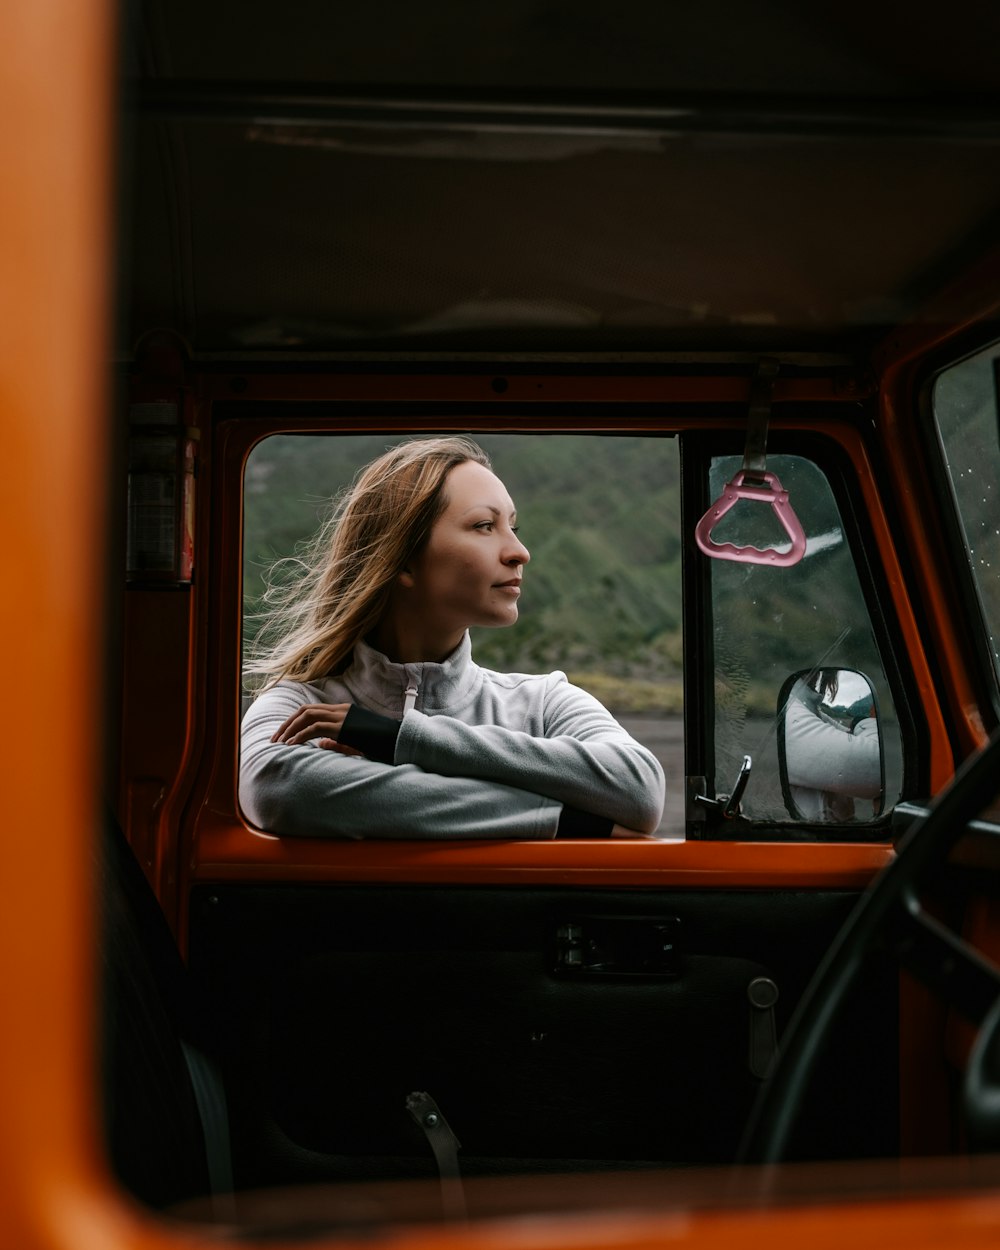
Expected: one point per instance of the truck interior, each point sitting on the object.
(719, 292)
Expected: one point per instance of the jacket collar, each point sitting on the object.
(379, 684)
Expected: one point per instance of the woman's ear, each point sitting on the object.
(405, 578)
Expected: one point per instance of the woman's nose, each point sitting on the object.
(519, 553)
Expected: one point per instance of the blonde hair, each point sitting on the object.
(319, 603)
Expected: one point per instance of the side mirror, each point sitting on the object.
(830, 751)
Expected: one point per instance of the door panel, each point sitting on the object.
(338, 1002)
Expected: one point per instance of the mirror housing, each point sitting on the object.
(831, 756)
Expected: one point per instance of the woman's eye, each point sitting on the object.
(488, 526)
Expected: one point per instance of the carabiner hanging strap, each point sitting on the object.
(758, 419)
(753, 483)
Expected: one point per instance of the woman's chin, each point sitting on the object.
(500, 621)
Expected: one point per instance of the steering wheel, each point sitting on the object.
(890, 916)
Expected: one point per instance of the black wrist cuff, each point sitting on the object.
(576, 824)
(371, 734)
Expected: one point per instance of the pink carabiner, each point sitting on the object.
(771, 492)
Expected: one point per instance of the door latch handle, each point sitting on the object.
(618, 946)
(729, 806)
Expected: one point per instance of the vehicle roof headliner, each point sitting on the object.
(552, 175)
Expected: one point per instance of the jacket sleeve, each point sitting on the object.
(307, 791)
(823, 756)
(585, 758)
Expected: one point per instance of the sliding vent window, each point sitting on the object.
(602, 594)
(798, 683)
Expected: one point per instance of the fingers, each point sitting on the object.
(314, 720)
(328, 744)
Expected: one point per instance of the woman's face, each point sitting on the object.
(469, 571)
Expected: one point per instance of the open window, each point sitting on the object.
(602, 599)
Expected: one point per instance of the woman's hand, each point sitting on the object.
(322, 721)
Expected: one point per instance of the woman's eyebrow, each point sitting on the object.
(490, 508)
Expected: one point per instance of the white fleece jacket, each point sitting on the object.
(481, 755)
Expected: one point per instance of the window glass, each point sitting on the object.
(814, 756)
(965, 408)
(602, 595)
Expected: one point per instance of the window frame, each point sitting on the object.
(214, 843)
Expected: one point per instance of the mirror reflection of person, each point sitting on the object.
(375, 721)
(829, 765)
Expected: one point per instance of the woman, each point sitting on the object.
(377, 722)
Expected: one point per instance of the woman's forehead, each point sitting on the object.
(470, 484)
